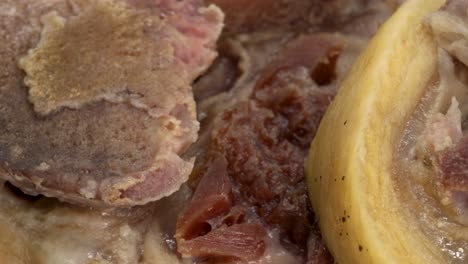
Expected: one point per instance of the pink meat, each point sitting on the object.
(237, 242)
(262, 143)
(454, 166)
(96, 105)
(212, 226)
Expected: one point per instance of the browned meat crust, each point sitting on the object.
(103, 108)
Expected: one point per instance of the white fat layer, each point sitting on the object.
(49, 232)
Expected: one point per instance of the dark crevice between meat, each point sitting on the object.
(317, 253)
(224, 72)
(20, 194)
(212, 227)
(254, 183)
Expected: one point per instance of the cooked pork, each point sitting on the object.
(96, 103)
(245, 16)
(249, 177)
(96, 108)
(444, 138)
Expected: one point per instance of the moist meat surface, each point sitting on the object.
(96, 103)
(249, 181)
(259, 106)
(448, 26)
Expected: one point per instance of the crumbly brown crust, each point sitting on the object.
(103, 108)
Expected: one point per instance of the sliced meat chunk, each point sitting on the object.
(219, 78)
(265, 139)
(211, 227)
(262, 142)
(237, 242)
(96, 105)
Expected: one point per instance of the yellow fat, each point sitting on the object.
(349, 168)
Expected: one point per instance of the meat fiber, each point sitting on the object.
(453, 164)
(95, 104)
(255, 175)
(259, 107)
(245, 16)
